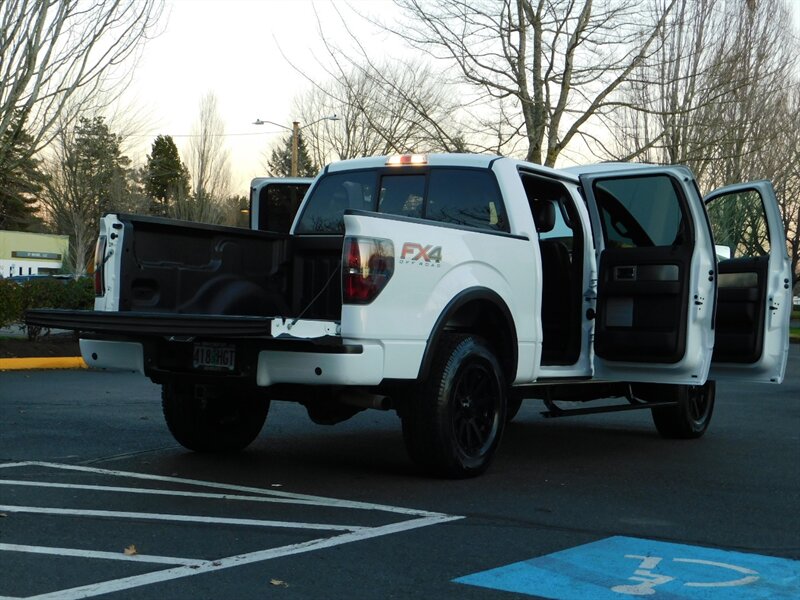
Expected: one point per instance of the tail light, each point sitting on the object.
(368, 264)
(99, 267)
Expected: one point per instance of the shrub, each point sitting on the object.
(15, 299)
(10, 302)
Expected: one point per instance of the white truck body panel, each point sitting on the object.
(403, 316)
(395, 329)
(693, 367)
(771, 365)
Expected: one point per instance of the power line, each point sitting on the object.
(191, 135)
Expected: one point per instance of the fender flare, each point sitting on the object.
(457, 302)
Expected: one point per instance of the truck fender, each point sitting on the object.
(497, 326)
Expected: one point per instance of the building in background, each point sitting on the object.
(23, 253)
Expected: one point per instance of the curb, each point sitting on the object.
(55, 362)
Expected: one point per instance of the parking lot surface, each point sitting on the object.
(96, 499)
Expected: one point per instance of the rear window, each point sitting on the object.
(332, 195)
(464, 197)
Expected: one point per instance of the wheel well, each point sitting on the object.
(485, 315)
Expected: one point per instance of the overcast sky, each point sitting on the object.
(234, 48)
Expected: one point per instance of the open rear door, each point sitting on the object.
(754, 284)
(655, 284)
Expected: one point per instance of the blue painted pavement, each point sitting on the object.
(617, 568)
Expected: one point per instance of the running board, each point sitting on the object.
(556, 412)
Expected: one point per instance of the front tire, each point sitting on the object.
(453, 424)
(210, 419)
(690, 418)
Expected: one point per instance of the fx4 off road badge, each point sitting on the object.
(424, 256)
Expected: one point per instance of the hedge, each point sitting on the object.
(16, 298)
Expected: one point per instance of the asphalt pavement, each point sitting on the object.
(97, 499)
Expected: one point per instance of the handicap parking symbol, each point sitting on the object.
(621, 568)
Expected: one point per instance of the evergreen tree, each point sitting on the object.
(88, 176)
(280, 161)
(166, 177)
(21, 181)
(100, 167)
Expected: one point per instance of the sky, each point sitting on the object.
(238, 49)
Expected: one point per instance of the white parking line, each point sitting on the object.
(315, 500)
(190, 567)
(125, 583)
(145, 558)
(115, 514)
(155, 492)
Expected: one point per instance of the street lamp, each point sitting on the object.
(295, 129)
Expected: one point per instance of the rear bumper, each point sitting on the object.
(313, 368)
(345, 364)
(268, 351)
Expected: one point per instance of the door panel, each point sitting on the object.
(641, 312)
(754, 288)
(655, 286)
(741, 304)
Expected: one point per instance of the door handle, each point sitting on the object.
(626, 273)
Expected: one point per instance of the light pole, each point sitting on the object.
(295, 136)
(295, 129)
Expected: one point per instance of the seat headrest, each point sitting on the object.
(544, 215)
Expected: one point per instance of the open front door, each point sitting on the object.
(655, 284)
(754, 285)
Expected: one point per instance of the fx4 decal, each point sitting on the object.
(424, 256)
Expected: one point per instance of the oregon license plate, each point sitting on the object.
(216, 356)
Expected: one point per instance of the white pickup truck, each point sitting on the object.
(448, 288)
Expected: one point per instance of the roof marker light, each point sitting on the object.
(407, 159)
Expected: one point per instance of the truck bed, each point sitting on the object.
(177, 267)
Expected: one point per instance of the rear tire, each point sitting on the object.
(690, 418)
(455, 420)
(210, 419)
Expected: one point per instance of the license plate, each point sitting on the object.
(220, 357)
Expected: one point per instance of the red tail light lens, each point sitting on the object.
(99, 267)
(367, 266)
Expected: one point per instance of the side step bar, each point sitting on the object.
(555, 411)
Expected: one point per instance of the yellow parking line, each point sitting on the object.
(53, 362)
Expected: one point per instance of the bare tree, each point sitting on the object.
(209, 166)
(720, 95)
(55, 52)
(381, 107)
(547, 66)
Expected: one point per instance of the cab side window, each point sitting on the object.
(640, 212)
(739, 223)
(465, 197)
